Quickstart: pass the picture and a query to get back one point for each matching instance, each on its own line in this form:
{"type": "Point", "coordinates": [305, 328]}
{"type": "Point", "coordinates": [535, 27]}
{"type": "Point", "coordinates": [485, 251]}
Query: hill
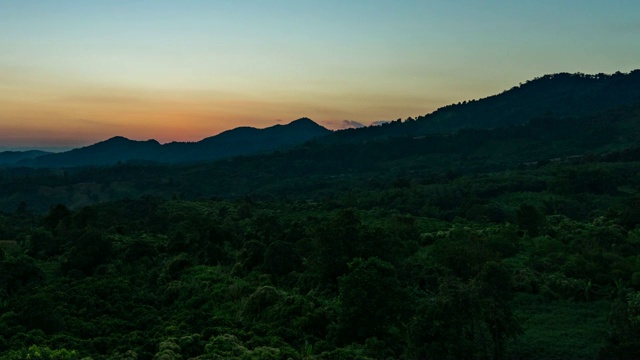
{"type": "Point", "coordinates": [325, 165]}
{"type": "Point", "coordinates": [318, 169]}
{"type": "Point", "coordinates": [108, 152]}
{"type": "Point", "coordinates": [245, 141]}
{"type": "Point", "coordinates": [235, 142]}
{"type": "Point", "coordinates": [8, 158]}
{"type": "Point", "coordinates": [561, 95]}
{"type": "Point", "coordinates": [522, 237]}
{"type": "Point", "coordinates": [557, 95]}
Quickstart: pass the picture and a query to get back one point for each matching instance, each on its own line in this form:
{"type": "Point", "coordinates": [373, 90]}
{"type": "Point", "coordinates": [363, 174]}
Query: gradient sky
{"type": "Point", "coordinates": [76, 72]}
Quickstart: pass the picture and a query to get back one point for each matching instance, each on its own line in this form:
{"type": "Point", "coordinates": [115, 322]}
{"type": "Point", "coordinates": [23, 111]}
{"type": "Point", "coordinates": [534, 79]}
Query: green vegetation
{"type": "Point", "coordinates": [516, 242]}
{"type": "Point", "coordinates": [496, 265]}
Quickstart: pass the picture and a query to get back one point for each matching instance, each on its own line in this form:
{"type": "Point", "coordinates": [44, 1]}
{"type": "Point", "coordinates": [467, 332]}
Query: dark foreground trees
{"type": "Point", "coordinates": [444, 267]}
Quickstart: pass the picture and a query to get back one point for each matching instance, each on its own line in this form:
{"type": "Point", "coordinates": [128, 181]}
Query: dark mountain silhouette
{"type": "Point", "coordinates": [108, 152]}
{"type": "Point", "coordinates": [244, 141]}
{"type": "Point", "coordinates": [327, 164]}
{"type": "Point", "coordinates": [561, 95]}
{"type": "Point", "coordinates": [482, 230]}
{"type": "Point", "coordinates": [558, 95]}
{"type": "Point", "coordinates": [235, 142]}
{"type": "Point", "coordinates": [325, 169]}
{"type": "Point", "coordinates": [13, 157]}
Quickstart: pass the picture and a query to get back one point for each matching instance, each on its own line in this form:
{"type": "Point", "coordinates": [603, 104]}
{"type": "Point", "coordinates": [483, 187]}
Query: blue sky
{"type": "Point", "coordinates": [75, 72]}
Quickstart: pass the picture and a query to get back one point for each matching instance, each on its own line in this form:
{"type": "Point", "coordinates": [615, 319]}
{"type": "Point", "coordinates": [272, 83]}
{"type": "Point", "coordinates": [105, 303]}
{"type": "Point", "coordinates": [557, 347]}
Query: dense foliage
{"type": "Point", "coordinates": [536, 262]}
{"type": "Point", "coordinates": [516, 242]}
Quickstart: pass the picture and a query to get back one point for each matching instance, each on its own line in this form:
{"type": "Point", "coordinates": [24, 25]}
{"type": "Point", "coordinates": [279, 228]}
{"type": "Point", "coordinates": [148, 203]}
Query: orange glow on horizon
{"type": "Point", "coordinates": [76, 72]}
{"type": "Point", "coordinates": [51, 118]}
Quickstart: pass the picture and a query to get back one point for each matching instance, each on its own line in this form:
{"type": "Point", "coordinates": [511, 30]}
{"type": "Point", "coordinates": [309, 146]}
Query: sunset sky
{"type": "Point", "coordinates": [76, 72]}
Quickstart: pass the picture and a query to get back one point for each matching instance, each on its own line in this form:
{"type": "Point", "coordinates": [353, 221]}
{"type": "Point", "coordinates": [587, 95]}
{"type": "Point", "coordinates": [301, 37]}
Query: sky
{"type": "Point", "coordinates": [74, 72]}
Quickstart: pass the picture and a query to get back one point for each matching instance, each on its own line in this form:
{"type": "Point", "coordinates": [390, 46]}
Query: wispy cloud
{"type": "Point", "coordinates": [380, 122]}
{"type": "Point", "coordinates": [346, 124]}
{"type": "Point", "coordinates": [340, 125]}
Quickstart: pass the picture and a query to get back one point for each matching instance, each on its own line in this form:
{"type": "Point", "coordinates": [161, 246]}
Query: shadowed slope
{"type": "Point", "coordinates": [239, 141]}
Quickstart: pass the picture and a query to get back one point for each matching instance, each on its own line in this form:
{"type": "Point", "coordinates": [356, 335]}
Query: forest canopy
{"type": "Point", "coordinates": [515, 241]}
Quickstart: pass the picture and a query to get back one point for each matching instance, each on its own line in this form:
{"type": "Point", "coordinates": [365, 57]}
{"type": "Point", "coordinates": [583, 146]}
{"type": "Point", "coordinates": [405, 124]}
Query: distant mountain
{"type": "Point", "coordinates": [326, 168]}
{"type": "Point", "coordinates": [558, 95]}
{"type": "Point", "coordinates": [235, 142]}
{"type": "Point", "coordinates": [14, 157]}
{"type": "Point", "coordinates": [245, 141]}
{"type": "Point", "coordinates": [108, 152]}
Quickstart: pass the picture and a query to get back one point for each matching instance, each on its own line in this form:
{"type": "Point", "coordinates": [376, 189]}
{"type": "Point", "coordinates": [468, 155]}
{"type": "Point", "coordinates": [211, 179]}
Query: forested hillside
{"type": "Point", "coordinates": [323, 168]}
{"type": "Point", "coordinates": [520, 241]}
{"type": "Point", "coordinates": [118, 149]}
{"type": "Point", "coordinates": [561, 95]}
{"type": "Point", "coordinates": [538, 262]}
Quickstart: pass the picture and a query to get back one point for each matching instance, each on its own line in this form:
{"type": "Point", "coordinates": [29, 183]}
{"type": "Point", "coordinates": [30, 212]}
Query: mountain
{"type": "Point", "coordinates": [326, 165]}
{"type": "Point", "coordinates": [524, 219]}
{"type": "Point", "coordinates": [8, 158]}
{"type": "Point", "coordinates": [558, 95]}
{"type": "Point", "coordinates": [562, 95]}
{"type": "Point", "coordinates": [108, 152]}
{"type": "Point", "coordinates": [245, 141]}
{"type": "Point", "coordinates": [235, 142]}
{"type": "Point", "coordinates": [320, 171]}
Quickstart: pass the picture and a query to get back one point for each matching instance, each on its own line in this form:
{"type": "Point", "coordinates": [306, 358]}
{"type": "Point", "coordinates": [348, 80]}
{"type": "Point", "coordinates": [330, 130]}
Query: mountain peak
{"type": "Point", "coordinates": [306, 122]}
{"type": "Point", "coordinates": [117, 139]}
{"type": "Point", "coordinates": [122, 139]}
{"type": "Point", "coordinates": [303, 120]}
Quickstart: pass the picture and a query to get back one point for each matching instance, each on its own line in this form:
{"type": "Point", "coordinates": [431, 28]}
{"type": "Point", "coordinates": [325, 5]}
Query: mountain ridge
{"type": "Point", "coordinates": [562, 95]}
{"type": "Point", "coordinates": [343, 159]}
{"type": "Point", "coordinates": [13, 157]}
{"type": "Point", "coordinates": [233, 142]}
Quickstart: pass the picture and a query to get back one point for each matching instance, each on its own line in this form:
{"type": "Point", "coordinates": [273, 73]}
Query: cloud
{"type": "Point", "coordinates": [341, 125]}
{"type": "Point", "coordinates": [350, 124]}
{"type": "Point", "coordinates": [381, 122]}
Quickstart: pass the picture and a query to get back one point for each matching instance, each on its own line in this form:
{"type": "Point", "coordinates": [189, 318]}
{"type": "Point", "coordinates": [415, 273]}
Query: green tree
{"type": "Point", "coordinates": [42, 244]}
{"type": "Point", "coordinates": [492, 289]}
{"type": "Point", "coordinates": [18, 272]}
{"type": "Point", "coordinates": [41, 353]}
{"type": "Point", "coordinates": [624, 329]}
{"type": "Point", "coordinates": [530, 219]}
{"type": "Point", "coordinates": [465, 319]}
{"type": "Point", "coordinates": [336, 244]}
{"type": "Point", "coordinates": [58, 215]}
{"type": "Point", "coordinates": [92, 248]}
{"type": "Point", "coordinates": [371, 300]}
{"type": "Point", "coordinates": [281, 258]}
{"type": "Point", "coordinates": [251, 255]}
{"type": "Point", "coordinates": [38, 311]}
